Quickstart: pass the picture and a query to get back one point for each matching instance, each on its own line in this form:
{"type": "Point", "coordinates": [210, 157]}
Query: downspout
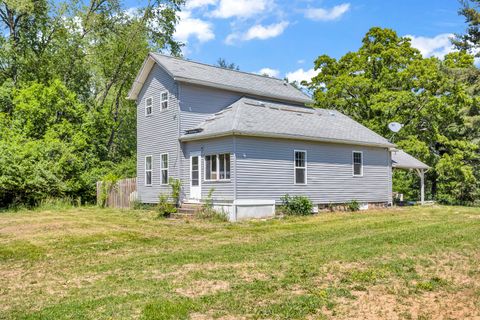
{"type": "Point", "coordinates": [234, 177]}
{"type": "Point", "coordinates": [234, 127]}
{"type": "Point", "coordinates": [179, 144]}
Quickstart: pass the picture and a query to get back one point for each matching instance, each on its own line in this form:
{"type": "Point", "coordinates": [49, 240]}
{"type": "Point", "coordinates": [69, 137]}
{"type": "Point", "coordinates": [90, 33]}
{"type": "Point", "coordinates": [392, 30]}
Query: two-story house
{"type": "Point", "coordinates": [251, 138]}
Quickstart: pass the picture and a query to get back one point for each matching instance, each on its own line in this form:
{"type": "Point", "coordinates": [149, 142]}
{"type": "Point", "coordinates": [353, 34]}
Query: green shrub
{"type": "Point", "coordinates": [353, 205]}
{"type": "Point", "coordinates": [213, 215]}
{"type": "Point", "coordinates": [109, 183]}
{"type": "Point", "coordinates": [165, 207]}
{"type": "Point", "coordinates": [176, 185]}
{"type": "Point", "coordinates": [297, 205]}
{"type": "Point", "coordinates": [208, 204]}
{"type": "Point", "coordinates": [208, 213]}
{"type": "Point", "coordinates": [139, 205]}
{"type": "Point", "coordinates": [58, 203]}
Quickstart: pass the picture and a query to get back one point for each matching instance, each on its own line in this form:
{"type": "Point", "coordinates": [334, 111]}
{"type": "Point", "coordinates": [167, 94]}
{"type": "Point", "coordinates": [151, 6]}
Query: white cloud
{"type": "Point", "coordinates": [192, 27]}
{"type": "Point", "coordinates": [301, 75]}
{"type": "Point", "coordinates": [241, 8]}
{"type": "Point", "coordinates": [321, 14]}
{"type": "Point", "coordinates": [269, 72]}
{"type": "Point", "coordinates": [264, 32]}
{"type": "Point", "coordinates": [258, 31]}
{"type": "Point", "coordinates": [437, 46]}
{"type": "Point", "coordinates": [301, 61]}
{"type": "Point", "coordinates": [193, 4]}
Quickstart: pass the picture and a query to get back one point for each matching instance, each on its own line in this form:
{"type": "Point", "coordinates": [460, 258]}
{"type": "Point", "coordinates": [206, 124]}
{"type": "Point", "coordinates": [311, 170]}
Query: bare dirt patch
{"type": "Point", "coordinates": [203, 288]}
{"type": "Point", "coordinates": [397, 298]}
{"type": "Point", "coordinates": [209, 316]}
{"type": "Point", "coordinates": [377, 303]}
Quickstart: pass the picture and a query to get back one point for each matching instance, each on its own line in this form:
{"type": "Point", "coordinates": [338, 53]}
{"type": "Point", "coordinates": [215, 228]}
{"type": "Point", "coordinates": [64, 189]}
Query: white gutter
{"type": "Point", "coordinates": [283, 136]}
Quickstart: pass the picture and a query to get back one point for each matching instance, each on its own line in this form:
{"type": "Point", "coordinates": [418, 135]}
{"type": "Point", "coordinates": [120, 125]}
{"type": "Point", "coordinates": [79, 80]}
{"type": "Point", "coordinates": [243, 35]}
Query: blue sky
{"type": "Point", "coordinates": [284, 37]}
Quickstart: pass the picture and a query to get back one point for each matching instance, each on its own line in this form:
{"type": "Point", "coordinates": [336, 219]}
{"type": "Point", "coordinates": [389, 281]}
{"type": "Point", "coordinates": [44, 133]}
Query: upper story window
{"type": "Point", "coordinates": [148, 106]}
{"type": "Point", "coordinates": [217, 167]}
{"type": "Point", "coordinates": [164, 168]}
{"type": "Point", "coordinates": [357, 163]}
{"type": "Point", "coordinates": [148, 170]}
{"type": "Point", "coordinates": [164, 100]}
{"type": "Point", "coordinates": [300, 164]}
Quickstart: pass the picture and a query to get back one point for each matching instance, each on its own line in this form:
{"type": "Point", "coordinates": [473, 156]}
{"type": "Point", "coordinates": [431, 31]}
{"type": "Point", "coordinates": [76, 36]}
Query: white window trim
{"type": "Point", "coordinates": [162, 101]}
{"type": "Point", "coordinates": [163, 169]}
{"type": "Point", "coordinates": [218, 168]}
{"type": "Point", "coordinates": [295, 167]}
{"type": "Point", "coordinates": [353, 164]}
{"type": "Point", "coordinates": [151, 171]}
{"type": "Point", "coordinates": [146, 107]}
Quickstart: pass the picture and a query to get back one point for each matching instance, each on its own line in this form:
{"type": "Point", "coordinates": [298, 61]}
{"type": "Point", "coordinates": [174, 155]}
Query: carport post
{"type": "Point", "coordinates": [421, 174]}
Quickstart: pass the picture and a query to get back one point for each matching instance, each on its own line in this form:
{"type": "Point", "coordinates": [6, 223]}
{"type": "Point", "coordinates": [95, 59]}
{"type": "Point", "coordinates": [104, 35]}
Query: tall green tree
{"type": "Point", "coordinates": [388, 80]}
{"type": "Point", "coordinates": [469, 73]}
{"type": "Point", "coordinates": [65, 70]}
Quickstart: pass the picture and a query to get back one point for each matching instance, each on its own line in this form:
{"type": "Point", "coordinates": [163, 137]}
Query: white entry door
{"type": "Point", "coordinates": [195, 177]}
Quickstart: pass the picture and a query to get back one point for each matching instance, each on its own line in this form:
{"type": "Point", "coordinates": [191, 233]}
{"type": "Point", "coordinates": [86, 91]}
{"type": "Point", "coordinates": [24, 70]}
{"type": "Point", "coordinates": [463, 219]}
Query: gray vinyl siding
{"type": "Point", "coordinates": [224, 190]}
{"type": "Point", "coordinates": [200, 103]}
{"type": "Point", "coordinates": [265, 170]}
{"type": "Point", "coordinates": [157, 133]}
{"type": "Point", "coordinates": [261, 168]}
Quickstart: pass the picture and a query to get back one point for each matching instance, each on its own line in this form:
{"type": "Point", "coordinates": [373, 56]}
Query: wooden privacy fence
{"type": "Point", "coordinates": [120, 194]}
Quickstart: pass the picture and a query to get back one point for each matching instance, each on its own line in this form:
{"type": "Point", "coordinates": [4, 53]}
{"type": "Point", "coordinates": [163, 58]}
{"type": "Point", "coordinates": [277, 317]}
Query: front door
{"type": "Point", "coordinates": [195, 177]}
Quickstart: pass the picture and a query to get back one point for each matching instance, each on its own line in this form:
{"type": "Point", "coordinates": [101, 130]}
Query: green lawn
{"type": "Point", "coordinates": [89, 263]}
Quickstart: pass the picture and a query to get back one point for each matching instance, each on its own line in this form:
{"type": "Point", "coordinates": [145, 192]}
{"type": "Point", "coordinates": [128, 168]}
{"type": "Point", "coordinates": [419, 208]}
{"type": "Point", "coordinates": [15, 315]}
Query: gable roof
{"type": "Point", "coordinates": [206, 75]}
{"type": "Point", "coordinates": [266, 119]}
{"type": "Point", "coordinates": [402, 160]}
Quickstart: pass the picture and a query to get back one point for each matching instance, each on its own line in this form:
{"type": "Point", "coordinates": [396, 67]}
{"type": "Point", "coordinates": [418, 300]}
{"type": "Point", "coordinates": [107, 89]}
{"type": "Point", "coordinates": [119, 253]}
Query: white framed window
{"type": "Point", "coordinates": [357, 163]}
{"type": "Point", "coordinates": [148, 170]}
{"type": "Point", "coordinates": [164, 100]}
{"type": "Point", "coordinates": [164, 168]}
{"type": "Point", "coordinates": [300, 166]}
{"type": "Point", "coordinates": [148, 106]}
{"type": "Point", "coordinates": [217, 167]}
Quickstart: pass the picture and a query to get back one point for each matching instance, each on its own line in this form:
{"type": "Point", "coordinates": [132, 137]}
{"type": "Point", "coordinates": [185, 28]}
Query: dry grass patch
{"type": "Point", "coordinates": [378, 303]}
{"type": "Point", "coordinates": [445, 288]}
{"type": "Point", "coordinates": [203, 287]}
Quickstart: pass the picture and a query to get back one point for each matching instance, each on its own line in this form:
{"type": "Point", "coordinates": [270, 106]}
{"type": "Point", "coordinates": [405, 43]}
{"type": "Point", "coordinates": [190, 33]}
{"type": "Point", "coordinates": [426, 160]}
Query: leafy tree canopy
{"type": "Point", "coordinates": [65, 70]}
{"type": "Point", "coordinates": [388, 80]}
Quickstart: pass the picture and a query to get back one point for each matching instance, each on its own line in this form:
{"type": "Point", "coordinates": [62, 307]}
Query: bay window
{"type": "Point", "coordinates": [217, 167]}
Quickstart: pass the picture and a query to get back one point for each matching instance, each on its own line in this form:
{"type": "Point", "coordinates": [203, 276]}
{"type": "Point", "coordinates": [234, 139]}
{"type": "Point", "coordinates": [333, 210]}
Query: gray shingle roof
{"type": "Point", "coordinates": [401, 159]}
{"type": "Point", "coordinates": [199, 73]}
{"type": "Point", "coordinates": [251, 117]}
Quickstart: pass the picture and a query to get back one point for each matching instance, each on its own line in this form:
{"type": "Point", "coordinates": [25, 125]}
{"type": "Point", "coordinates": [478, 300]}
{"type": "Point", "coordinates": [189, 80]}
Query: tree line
{"type": "Point", "coordinates": [65, 70]}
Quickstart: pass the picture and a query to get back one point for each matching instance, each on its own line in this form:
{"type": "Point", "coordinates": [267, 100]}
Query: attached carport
{"type": "Point", "coordinates": [402, 160]}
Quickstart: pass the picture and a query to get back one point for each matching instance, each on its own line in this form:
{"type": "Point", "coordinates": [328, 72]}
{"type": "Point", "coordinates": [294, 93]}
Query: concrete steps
{"type": "Point", "coordinates": [188, 210]}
